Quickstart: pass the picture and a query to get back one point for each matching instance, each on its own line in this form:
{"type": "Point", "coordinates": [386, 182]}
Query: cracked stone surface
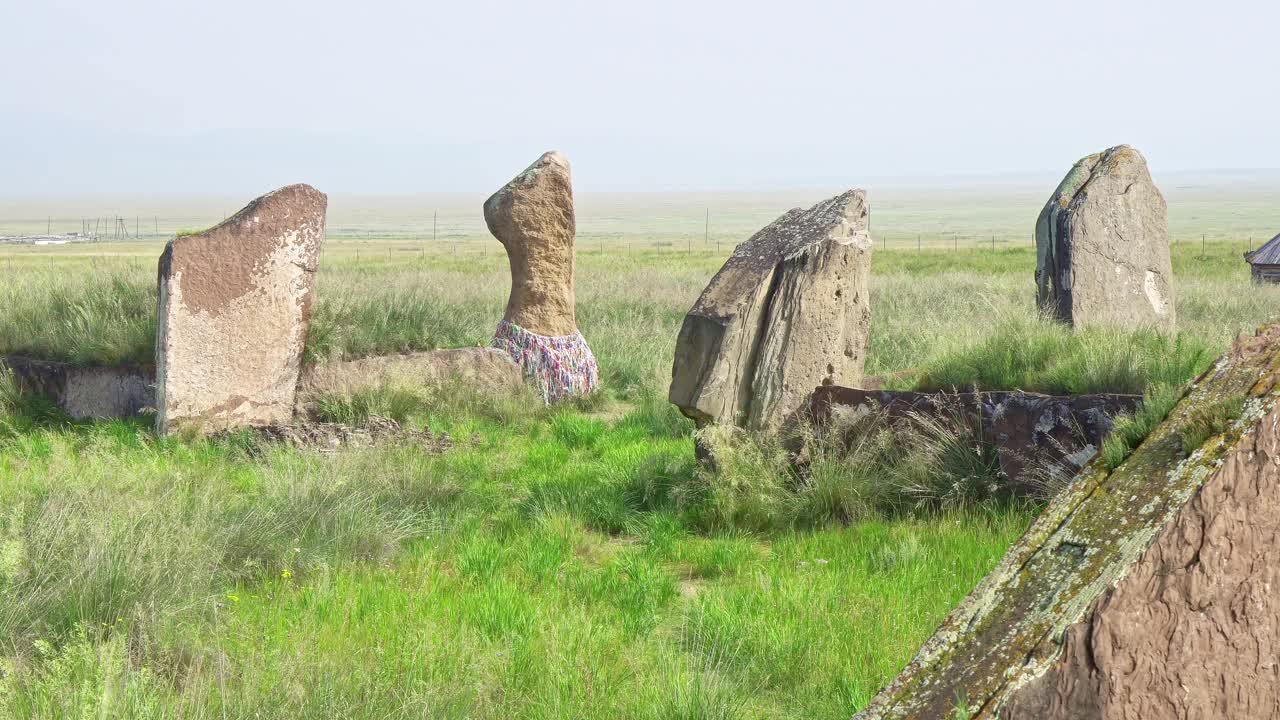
{"type": "Point", "coordinates": [1144, 592]}
{"type": "Point", "coordinates": [234, 309]}
{"type": "Point", "coordinates": [789, 311]}
{"type": "Point", "coordinates": [1102, 246]}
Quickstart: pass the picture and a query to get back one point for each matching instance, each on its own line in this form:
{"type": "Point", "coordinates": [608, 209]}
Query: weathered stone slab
{"type": "Point", "coordinates": [84, 393]}
{"type": "Point", "coordinates": [1147, 591]}
{"type": "Point", "coordinates": [235, 306]}
{"type": "Point", "coordinates": [532, 216]}
{"type": "Point", "coordinates": [789, 311]}
{"type": "Point", "coordinates": [1102, 246]}
{"type": "Point", "coordinates": [1040, 440]}
{"type": "Point", "coordinates": [487, 368]}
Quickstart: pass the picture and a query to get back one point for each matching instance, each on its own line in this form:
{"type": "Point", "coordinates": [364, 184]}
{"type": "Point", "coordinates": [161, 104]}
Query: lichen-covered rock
{"type": "Point", "coordinates": [234, 309]}
{"type": "Point", "coordinates": [1102, 246]}
{"type": "Point", "coordinates": [789, 311]}
{"type": "Point", "coordinates": [1147, 591]}
{"type": "Point", "coordinates": [532, 216]}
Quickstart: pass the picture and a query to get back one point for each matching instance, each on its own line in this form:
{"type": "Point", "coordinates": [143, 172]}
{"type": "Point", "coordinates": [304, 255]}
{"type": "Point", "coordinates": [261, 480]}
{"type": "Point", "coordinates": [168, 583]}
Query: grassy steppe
{"type": "Point", "coordinates": [555, 563]}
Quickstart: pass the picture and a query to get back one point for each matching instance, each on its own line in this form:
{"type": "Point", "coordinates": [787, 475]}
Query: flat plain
{"type": "Point", "coordinates": [553, 563]}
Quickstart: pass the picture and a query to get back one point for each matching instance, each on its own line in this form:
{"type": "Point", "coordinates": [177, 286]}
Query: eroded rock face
{"type": "Point", "coordinates": [1102, 246]}
{"type": "Point", "coordinates": [789, 311]}
{"type": "Point", "coordinates": [1147, 591]}
{"type": "Point", "coordinates": [532, 216]}
{"type": "Point", "coordinates": [235, 306]}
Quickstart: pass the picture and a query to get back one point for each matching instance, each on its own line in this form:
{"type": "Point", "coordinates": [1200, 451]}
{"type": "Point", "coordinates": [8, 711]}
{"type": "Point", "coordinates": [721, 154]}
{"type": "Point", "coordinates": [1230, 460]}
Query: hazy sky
{"type": "Point", "coordinates": [378, 96]}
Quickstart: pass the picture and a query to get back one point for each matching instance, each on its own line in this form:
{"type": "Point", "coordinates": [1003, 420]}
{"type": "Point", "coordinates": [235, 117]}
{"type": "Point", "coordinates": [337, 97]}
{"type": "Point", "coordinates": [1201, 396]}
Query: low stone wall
{"type": "Point", "coordinates": [486, 368]}
{"type": "Point", "coordinates": [116, 391]}
{"type": "Point", "coordinates": [121, 391]}
{"type": "Point", "coordinates": [1032, 434]}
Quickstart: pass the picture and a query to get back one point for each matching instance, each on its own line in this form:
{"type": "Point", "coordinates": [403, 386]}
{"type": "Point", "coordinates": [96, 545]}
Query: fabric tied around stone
{"type": "Point", "coordinates": [560, 367]}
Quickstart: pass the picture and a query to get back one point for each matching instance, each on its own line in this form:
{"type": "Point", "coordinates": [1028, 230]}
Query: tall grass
{"type": "Point", "coordinates": [870, 468]}
{"type": "Point", "coordinates": [550, 564]}
{"type": "Point", "coordinates": [564, 562]}
{"type": "Point", "coordinates": [961, 318]}
{"type": "Point", "coordinates": [1037, 355]}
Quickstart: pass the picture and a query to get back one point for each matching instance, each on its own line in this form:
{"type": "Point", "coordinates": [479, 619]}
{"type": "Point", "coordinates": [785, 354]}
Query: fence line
{"type": "Point", "coordinates": [453, 235]}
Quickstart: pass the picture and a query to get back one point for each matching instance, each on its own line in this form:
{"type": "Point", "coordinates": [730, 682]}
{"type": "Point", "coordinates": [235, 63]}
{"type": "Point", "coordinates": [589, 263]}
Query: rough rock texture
{"type": "Point", "coordinates": [1102, 246]}
{"type": "Point", "coordinates": [482, 367]}
{"type": "Point", "coordinates": [235, 306]}
{"type": "Point", "coordinates": [87, 392]}
{"type": "Point", "coordinates": [1040, 440]}
{"type": "Point", "coordinates": [1145, 592]}
{"type": "Point", "coordinates": [789, 311]}
{"type": "Point", "coordinates": [532, 216]}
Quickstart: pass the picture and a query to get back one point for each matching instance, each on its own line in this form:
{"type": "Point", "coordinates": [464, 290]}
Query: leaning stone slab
{"type": "Point", "coordinates": [235, 306]}
{"type": "Point", "coordinates": [1102, 246]}
{"type": "Point", "coordinates": [789, 311]}
{"type": "Point", "coordinates": [1147, 591]}
{"type": "Point", "coordinates": [85, 393]}
{"type": "Point", "coordinates": [533, 217]}
{"type": "Point", "coordinates": [1041, 441]}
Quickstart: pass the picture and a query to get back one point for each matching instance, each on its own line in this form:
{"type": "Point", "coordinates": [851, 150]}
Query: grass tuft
{"type": "Point", "coordinates": [1128, 431]}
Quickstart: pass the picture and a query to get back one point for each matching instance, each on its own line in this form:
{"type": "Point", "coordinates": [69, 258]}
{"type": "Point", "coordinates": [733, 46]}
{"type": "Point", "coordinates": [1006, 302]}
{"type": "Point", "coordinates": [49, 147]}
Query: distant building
{"type": "Point", "coordinates": [1265, 261]}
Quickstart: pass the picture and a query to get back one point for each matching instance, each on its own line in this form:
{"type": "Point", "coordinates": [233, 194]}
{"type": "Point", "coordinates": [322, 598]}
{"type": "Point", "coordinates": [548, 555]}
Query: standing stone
{"type": "Point", "coordinates": [532, 216]}
{"type": "Point", "coordinates": [1102, 246]}
{"type": "Point", "coordinates": [235, 305]}
{"type": "Point", "coordinates": [789, 311]}
{"type": "Point", "coordinates": [1144, 591]}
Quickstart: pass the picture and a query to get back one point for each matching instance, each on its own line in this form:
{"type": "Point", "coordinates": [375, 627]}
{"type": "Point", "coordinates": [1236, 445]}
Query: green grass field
{"type": "Point", "coordinates": [562, 563]}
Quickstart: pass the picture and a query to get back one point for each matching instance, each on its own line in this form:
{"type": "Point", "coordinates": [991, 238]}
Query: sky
{"type": "Point", "coordinates": [376, 96]}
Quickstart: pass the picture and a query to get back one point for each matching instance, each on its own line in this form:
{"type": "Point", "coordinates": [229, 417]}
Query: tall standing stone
{"type": "Point", "coordinates": [532, 216]}
{"type": "Point", "coordinates": [1102, 246]}
{"type": "Point", "coordinates": [1144, 590]}
{"type": "Point", "coordinates": [235, 306]}
{"type": "Point", "coordinates": [789, 311]}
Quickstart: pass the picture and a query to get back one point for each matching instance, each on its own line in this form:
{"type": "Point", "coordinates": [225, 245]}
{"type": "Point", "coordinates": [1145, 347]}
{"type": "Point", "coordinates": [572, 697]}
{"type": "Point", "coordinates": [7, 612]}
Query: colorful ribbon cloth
{"type": "Point", "coordinates": [559, 367]}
